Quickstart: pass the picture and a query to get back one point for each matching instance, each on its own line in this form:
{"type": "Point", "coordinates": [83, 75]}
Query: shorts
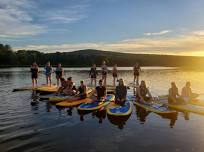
{"type": "Point", "coordinates": [58, 76]}
{"type": "Point", "coordinates": [93, 76]}
{"type": "Point", "coordinates": [47, 74]}
{"type": "Point", "coordinates": [120, 102]}
{"type": "Point", "coordinates": [34, 76]}
{"type": "Point", "coordinates": [115, 75]}
{"type": "Point", "coordinates": [83, 96]}
{"type": "Point", "coordinates": [104, 73]}
{"type": "Point", "coordinates": [136, 73]}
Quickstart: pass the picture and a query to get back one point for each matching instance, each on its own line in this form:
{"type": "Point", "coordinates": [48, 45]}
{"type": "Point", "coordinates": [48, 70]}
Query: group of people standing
{"type": "Point", "coordinates": [48, 73]}
{"type": "Point", "coordinates": [93, 73]}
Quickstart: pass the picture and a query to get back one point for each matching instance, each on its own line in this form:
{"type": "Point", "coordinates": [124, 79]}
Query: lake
{"type": "Point", "coordinates": [43, 127]}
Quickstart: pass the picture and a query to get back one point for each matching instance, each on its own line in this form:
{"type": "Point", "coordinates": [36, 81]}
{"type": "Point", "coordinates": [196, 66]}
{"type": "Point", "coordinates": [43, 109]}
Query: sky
{"type": "Point", "coordinates": [129, 26]}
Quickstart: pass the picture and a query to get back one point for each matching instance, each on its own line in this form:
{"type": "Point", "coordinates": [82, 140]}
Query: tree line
{"type": "Point", "coordinates": [84, 58]}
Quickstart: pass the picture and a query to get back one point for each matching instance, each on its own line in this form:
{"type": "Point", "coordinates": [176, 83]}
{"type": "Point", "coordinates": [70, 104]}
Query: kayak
{"type": "Point", "coordinates": [58, 98]}
{"type": "Point", "coordinates": [155, 107]}
{"type": "Point", "coordinates": [193, 101]}
{"type": "Point", "coordinates": [97, 105]}
{"type": "Point", "coordinates": [117, 110]}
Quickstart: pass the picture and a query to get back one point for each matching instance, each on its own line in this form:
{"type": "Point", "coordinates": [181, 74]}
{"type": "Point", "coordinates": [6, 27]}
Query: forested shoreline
{"type": "Point", "coordinates": [84, 58]}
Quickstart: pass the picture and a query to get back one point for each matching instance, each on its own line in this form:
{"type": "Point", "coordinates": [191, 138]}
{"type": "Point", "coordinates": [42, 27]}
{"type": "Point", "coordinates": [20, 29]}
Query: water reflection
{"type": "Point", "coordinates": [172, 117]}
{"type": "Point", "coordinates": [97, 114]}
{"type": "Point", "coordinates": [141, 114]}
{"type": "Point", "coordinates": [120, 122]}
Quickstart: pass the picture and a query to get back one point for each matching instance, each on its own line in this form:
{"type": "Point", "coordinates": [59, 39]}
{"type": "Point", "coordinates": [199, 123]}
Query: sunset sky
{"type": "Point", "coordinates": [132, 26]}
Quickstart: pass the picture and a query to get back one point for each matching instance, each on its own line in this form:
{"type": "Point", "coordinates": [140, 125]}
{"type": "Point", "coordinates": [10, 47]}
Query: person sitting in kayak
{"type": "Point", "coordinates": [186, 92]}
{"type": "Point", "coordinates": [101, 91]}
{"type": "Point", "coordinates": [174, 96]}
{"type": "Point", "coordinates": [63, 85]}
{"type": "Point", "coordinates": [82, 90]}
{"type": "Point", "coordinates": [143, 93]}
{"type": "Point", "coordinates": [70, 89]}
{"type": "Point", "coordinates": [120, 93]}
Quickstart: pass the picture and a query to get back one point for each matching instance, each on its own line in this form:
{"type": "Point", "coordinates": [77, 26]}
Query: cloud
{"type": "Point", "coordinates": [65, 15]}
{"type": "Point", "coordinates": [22, 18]}
{"type": "Point", "coordinates": [188, 44]}
{"type": "Point", "coordinates": [158, 33]}
{"type": "Point", "coordinates": [15, 21]}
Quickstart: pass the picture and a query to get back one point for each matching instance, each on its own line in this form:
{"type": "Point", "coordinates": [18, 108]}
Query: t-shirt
{"type": "Point", "coordinates": [121, 92]}
{"type": "Point", "coordinates": [101, 91]}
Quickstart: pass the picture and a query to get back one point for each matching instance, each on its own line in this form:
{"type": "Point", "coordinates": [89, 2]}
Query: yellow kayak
{"type": "Point", "coordinates": [55, 99]}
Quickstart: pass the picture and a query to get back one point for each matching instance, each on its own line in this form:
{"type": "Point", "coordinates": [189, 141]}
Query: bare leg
{"type": "Point", "coordinates": [47, 80]}
{"type": "Point", "coordinates": [58, 82]}
{"type": "Point", "coordinates": [33, 82]}
{"type": "Point", "coordinates": [36, 82]}
{"type": "Point", "coordinates": [95, 82]}
{"type": "Point", "coordinates": [50, 81]}
{"type": "Point", "coordinates": [134, 78]}
{"type": "Point", "coordinates": [105, 80]}
{"type": "Point", "coordinates": [91, 81]}
{"type": "Point", "coordinates": [113, 81]}
{"type": "Point", "coordinates": [137, 78]}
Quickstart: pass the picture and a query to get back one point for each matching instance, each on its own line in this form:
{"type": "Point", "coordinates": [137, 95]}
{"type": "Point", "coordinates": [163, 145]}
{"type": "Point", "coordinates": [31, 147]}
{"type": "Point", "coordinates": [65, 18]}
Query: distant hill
{"type": "Point", "coordinates": [87, 57]}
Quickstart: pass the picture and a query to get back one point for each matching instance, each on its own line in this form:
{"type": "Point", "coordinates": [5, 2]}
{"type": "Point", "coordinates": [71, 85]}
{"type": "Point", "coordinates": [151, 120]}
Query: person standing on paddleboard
{"type": "Point", "coordinates": [93, 74]}
{"type": "Point", "coordinates": [59, 73]}
{"type": "Point", "coordinates": [101, 91]}
{"type": "Point", "coordinates": [120, 93]}
{"type": "Point", "coordinates": [136, 73]}
{"type": "Point", "coordinates": [104, 71]}
{"type": "Point", "coordinates": [115, 74]}
{"type": "Point", "coordinates": [34, 74]}
{"type": "Point", "coordinates": [48, 73]}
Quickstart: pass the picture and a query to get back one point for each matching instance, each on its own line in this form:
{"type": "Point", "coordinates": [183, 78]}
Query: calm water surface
{"type": "Point", "coordinates": [43, 127]}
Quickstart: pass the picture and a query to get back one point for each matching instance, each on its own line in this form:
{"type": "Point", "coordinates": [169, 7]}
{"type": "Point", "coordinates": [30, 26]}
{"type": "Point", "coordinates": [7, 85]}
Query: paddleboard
{"type": "Point", "coordinates": [68, 103]}
{"type": "Point", "coordinates": [97, 105]}
{"type": "Point", "coordinates": [192, 106]}
{"type": "Point", "coordinates": [117, 110]}
{"type": "Point", "coordinates": [155, 107]}
{"type": "Point", "coordinates": [58, 98]}
{"type": "Point", "coordinates": [193, 101]}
